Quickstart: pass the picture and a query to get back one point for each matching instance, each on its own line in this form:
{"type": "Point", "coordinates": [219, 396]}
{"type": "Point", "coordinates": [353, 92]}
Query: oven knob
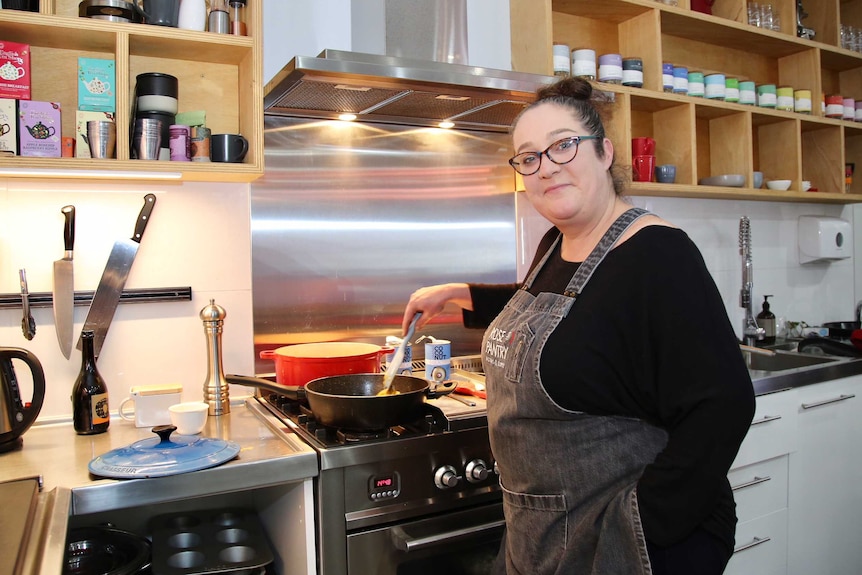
{"type": "Point", "coordinates": [446, 477]}
{"type": "Point", "coordinates": [476, 471]}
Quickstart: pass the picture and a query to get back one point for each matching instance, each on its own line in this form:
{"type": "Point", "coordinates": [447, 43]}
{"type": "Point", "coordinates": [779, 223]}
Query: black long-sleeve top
{"type": "Point", "coordinates": [649, 338]}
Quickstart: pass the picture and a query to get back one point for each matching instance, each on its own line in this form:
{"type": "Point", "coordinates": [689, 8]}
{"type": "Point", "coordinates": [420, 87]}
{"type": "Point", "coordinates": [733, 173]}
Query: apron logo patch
{"type": "Point", "coordinates": [497, 344]}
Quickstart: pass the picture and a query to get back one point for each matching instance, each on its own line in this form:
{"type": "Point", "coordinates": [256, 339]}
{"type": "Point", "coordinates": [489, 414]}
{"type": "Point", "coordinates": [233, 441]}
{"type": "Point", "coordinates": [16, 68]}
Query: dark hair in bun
{"type": "Point", "coordinates": [587, 108]}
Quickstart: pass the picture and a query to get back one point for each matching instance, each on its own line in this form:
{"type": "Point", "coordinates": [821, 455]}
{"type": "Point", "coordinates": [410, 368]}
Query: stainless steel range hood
{"type": "Point", "coordinates": [400, 90]}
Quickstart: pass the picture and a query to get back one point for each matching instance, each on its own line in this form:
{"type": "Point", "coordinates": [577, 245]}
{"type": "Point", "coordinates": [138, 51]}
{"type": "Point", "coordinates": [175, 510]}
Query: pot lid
{"type": "Point", "coordinates": [163, 455]}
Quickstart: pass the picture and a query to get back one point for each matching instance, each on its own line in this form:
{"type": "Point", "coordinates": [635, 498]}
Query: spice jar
{"type": "Point", "coordinates": [849, 109]}
{"type": "Point", "coordinates": [747, 94]}
{"type": "Point", "coordinates": [695, 84]}
{"type": "Point", "coordinates": [731, 90]}
{"type": "Point", "coordinates": [680, 80]}
{"type": "Point", "coordinates": [766, 96]}
{"type": "Point", "coordinates": [715, 88]}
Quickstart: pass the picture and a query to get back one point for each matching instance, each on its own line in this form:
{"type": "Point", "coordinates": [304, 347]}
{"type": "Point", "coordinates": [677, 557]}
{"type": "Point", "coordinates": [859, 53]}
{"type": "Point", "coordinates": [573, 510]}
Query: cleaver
{"type": "Point", "coordinates": [64, 285]}
{"type": "Point", "coordinates": [114, 277]}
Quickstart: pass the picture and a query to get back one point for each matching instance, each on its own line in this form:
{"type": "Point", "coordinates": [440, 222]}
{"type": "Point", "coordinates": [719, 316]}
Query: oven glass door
{"type": "Point", "coordinates": [464, 542]}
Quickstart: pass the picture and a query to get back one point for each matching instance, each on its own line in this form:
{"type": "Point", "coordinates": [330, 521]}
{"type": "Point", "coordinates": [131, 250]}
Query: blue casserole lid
{"type": "Point", "coordinates": [163, 455]}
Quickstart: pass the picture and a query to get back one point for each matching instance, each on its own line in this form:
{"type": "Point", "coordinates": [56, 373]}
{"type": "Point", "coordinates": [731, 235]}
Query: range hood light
{"type": "Point", "coordinates": [347, 117]}
{"type": "Point", "coordinates": [452, 98]}
{"type": "Point", "coordinates": [352, 88]}
{"type": "Point", "coordinates": [446, 124]}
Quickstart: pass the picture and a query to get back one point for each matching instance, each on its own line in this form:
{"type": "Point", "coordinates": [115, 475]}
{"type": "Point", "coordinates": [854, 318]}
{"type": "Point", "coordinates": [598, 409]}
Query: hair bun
{"type": "Point", "coordinates": [568, 87]}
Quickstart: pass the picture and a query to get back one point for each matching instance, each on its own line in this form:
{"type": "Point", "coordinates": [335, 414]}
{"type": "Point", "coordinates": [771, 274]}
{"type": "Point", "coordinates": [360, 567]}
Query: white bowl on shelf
{"type": "Point", "coordinates": [781, 185]}
{"type": "Point", "coordinates": [806, 185]}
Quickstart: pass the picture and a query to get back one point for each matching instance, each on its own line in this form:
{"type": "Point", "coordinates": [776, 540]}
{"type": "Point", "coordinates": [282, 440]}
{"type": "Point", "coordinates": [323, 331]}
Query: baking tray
{"type": "Point", "coordinates": [207, 542]}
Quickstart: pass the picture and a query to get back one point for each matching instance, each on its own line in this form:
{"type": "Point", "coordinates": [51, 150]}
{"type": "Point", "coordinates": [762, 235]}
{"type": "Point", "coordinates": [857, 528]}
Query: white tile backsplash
{"type": "Point", "coordinates": [814, 293]}
{"type": "Point", "coordinates": [198, 236]}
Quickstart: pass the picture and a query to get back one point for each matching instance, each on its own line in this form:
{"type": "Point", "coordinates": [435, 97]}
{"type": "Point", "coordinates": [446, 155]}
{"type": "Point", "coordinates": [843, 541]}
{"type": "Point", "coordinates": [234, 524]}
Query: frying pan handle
{"type": "Point", "coordinates": [298, 394]}
{"type": "Point", "coordinates": [441, 389]}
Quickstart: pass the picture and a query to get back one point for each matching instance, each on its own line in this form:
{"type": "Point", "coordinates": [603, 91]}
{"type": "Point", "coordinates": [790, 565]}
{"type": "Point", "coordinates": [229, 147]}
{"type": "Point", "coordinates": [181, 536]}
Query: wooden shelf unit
{"type": "Point", "coordinates": [218, 73]}
{"type": "Point", "coordinates": [705, 137]}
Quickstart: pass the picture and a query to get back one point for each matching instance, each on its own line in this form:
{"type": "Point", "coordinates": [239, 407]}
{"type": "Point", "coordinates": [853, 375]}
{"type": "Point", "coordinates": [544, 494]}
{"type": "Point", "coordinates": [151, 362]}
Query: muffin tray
{"type": "Point", "coordinates": [207, 542]}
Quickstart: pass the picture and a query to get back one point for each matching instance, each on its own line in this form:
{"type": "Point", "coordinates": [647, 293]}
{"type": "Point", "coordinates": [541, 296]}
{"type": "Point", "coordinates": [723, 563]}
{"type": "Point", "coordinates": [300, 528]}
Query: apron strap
{"type": "Point", "coordinates": [608, 241]}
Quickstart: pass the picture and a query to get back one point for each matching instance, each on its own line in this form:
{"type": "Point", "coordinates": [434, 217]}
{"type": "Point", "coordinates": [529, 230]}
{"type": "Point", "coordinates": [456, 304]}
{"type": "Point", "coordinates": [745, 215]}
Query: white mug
{"type": "Point", "coordinates": [189, 418]}
{"type": "Point", "coordinates": [151, 404]}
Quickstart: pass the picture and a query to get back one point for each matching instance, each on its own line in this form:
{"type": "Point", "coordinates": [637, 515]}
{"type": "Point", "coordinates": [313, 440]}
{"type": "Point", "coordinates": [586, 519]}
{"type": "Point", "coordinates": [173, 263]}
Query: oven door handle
{"type": "Point", "coordinates": [406, 542]}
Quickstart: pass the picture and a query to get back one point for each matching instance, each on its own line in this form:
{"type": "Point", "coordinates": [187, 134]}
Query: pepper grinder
{"type": "Point", "coordinates": [216, 391]}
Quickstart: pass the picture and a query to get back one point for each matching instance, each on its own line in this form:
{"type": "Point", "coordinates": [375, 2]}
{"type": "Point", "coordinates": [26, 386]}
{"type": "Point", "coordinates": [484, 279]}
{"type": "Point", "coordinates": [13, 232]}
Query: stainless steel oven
{"type": "Point", "coordinates": [413, 498]}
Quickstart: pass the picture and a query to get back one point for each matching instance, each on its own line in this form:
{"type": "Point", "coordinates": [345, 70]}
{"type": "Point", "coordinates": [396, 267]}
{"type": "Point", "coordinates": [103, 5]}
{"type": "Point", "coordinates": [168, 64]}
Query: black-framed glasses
{"type": "Point", "coordinates": [560, 152]}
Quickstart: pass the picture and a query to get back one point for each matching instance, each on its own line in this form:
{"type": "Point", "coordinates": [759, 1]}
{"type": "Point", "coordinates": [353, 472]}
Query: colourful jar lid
{"type": "Point", "coordinates": [610, 60]}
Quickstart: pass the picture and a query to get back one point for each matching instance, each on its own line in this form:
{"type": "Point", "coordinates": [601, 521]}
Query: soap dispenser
{"type": "Point", "coordinates": [766, 320]}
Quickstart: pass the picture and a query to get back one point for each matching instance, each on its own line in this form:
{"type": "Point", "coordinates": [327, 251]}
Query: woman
{"type": "Point", "coordinates": [617, 393]}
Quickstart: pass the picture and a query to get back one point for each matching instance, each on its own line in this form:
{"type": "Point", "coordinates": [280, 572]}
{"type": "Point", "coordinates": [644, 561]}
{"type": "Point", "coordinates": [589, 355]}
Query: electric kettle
{"type": "Point", "coordinates": [15, 417]}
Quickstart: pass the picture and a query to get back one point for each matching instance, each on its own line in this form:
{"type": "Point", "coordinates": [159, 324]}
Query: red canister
{"type": "Point", "coordinates": [834, 106]}
{"type": "Point", "coordinates": [296, 365]}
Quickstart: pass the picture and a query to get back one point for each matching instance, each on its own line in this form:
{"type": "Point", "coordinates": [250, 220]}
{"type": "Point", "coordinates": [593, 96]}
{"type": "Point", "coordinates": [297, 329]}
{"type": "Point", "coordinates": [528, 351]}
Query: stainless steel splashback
{"type": "Point", "coordinates": [350, 218]}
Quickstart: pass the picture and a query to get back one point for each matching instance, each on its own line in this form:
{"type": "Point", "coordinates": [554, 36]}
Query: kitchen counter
{"type": "Point", "coordinates": [56, 453]}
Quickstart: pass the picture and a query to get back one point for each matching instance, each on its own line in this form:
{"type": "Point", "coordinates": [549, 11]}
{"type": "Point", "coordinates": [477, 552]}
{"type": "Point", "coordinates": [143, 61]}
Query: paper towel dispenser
{"type": "Point", "coordinates": [824, 238]}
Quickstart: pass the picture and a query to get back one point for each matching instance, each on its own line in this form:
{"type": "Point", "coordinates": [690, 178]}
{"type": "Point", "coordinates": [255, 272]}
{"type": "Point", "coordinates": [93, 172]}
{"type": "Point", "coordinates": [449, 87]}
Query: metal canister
{"type": "Point", "coordinates": [199, 148]}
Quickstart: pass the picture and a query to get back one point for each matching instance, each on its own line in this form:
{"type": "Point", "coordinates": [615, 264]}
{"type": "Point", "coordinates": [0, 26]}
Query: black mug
{"type": "Point", "coordinates": [230, 148]}
{"type": "Point", "coordinates": [27, 5]}
{"type": "Point", "coordinates": [162, 12]}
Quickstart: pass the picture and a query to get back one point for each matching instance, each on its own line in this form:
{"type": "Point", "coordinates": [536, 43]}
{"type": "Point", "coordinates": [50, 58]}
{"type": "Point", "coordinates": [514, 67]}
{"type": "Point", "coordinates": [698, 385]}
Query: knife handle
{"type": "Point", "coordinates": [144, 217]}
{"type": "Point", "coordinates": [69, 228]}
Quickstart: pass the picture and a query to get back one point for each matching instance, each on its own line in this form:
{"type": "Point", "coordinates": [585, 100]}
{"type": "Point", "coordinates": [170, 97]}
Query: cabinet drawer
{"type": "Point", "coordinates": [760, 488]}
{"type": "Point", "coordinates": [773, 429]}
{"type": "Point", "coordinates": [761, 546]}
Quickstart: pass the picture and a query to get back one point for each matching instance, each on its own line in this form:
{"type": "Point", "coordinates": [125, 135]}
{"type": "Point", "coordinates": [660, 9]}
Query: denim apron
{"type": "Point", "coordinates": [568, 477]}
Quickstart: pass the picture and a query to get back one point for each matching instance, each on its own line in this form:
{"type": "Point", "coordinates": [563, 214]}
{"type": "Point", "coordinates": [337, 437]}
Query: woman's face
{"type": "Point", "coordinates": [572, 193]}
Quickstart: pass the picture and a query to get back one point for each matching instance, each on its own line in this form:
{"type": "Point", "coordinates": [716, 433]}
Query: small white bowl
{"type": "Point", "coordinates": [778, 185]}
{"type": "Point", "coordinates": [806, 185]}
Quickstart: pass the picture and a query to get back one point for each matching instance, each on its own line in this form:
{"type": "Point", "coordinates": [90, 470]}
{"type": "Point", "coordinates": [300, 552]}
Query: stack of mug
{"type": "Point", "coordinates": [156, 107]}
{"type": "Point", "coordinates": [644, 168]}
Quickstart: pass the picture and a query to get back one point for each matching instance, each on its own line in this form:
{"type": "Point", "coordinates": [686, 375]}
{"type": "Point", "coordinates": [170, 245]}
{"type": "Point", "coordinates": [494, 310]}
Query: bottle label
{"type": "Point", "coordinates": [99, 405]}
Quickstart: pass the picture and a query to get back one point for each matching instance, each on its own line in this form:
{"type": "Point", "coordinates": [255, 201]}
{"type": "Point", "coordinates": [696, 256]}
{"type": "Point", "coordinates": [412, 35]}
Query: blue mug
{"type": "Point", "coordinates": [665, 173]}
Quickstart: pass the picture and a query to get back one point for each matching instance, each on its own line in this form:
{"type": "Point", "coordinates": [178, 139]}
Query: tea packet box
{"type": "Point", "coordinates": [39, 129]}
{"type": "Point", "coordinates": [96, 78]}
{"type": "Point", "coordinates": [82, 148]}
{"type": "Point", "coordinates": [8, 127]}
{"type": "Point", "coordinates": [14, 70]}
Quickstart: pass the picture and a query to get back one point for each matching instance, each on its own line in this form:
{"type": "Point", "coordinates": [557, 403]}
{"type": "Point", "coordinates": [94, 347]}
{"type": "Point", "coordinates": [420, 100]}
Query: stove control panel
{"type": "Point", "coordinates": [446, 477]}
{"type": "Point", "coordinates": [382, 487]}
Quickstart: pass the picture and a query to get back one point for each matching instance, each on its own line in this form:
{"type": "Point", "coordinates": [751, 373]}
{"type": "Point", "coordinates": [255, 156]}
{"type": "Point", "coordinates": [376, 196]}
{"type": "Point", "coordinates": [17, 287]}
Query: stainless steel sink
{"type": "Point", "coordinates": [783, 361]}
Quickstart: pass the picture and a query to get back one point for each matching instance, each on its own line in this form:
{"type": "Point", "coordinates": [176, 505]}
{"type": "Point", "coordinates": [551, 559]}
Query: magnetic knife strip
{"type": "Point", "coordinates": [144, 295]}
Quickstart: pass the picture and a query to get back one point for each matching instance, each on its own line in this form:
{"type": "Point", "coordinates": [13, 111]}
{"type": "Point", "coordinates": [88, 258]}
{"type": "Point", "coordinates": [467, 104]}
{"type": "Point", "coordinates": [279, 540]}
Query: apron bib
{"type": "Point", "coordinates": [568, 477]}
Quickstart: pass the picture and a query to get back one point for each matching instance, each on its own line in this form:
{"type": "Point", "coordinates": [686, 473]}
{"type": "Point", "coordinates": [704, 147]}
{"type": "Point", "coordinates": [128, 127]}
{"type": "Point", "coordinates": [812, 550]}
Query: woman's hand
{"type": "Point", "coordinates": [431, 300]}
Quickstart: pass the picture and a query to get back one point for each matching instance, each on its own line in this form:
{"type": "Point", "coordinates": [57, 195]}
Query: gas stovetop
{"type": "Point", "coordinates": [442, 419]}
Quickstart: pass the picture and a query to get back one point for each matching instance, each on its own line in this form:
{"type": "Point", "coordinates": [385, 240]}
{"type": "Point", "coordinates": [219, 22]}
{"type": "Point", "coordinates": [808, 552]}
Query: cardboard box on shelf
{"type": "Point", "coordinates": [14, 70]}
{"type": "Point", "coordinates": [39, 128]}
{"type": "Point", "coordinates": [8, 127]}
{"type": "Point", "coordinates": [82, 148]}
{"type": "Point", "coordinates": [96, 77]}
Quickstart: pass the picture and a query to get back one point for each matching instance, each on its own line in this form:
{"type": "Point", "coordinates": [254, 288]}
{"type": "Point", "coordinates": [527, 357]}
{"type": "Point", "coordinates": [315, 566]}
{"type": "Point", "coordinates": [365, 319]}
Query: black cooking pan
{"type": "Point", "coordinates": [351, 401]}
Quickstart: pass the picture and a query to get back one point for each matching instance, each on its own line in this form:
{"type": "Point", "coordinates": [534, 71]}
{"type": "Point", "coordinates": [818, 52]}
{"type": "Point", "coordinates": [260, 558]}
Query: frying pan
{"type": "Point", "coordinates": [351, 401]}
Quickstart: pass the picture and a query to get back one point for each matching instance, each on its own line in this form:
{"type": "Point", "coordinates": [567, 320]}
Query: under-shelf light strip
{"type": "Point", "coordinates": [102, 174]}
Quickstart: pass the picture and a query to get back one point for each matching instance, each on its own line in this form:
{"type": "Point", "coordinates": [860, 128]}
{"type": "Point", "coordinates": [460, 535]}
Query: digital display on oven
{"type": "Point", "coordinates": [384, 486]}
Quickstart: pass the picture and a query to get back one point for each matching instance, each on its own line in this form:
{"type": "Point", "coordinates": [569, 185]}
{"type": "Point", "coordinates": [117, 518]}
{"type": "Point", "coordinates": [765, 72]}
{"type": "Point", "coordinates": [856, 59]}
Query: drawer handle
{"type": "Point", "coordinates": [754, 481]}
{"type": "Point", "coordinates": [765, 419]}
{"type": "Point", "coordinates": [753, 543]}
{"type": "Point", "coordinates": [841, 397]}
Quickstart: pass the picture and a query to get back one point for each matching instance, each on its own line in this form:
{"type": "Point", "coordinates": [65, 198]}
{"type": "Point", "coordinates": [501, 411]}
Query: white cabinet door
{"type": "Point", "coordinates": [826, 480]}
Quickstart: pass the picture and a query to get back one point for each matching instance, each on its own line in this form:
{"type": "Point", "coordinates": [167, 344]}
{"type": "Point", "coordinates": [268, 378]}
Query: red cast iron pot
{"type": "Point", "coordinates": [296, 365]}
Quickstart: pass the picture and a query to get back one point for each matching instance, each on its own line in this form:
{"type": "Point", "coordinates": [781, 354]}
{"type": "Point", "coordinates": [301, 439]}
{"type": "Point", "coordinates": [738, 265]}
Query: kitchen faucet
{"type": "Point", "coordinates": [751, 332]}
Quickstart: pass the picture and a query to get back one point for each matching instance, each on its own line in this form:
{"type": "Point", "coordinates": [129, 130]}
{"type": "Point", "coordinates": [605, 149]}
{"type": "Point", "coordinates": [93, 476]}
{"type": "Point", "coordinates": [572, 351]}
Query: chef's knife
{"type": "Point", "coordinates": [64, 285]}
{"type": "Point", "coordinates": [114, 278]}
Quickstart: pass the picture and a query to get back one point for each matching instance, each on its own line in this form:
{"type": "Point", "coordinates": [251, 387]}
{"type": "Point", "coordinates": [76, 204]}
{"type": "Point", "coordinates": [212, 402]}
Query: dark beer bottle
{"type": "Point", "coordinates": [90, 394]}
